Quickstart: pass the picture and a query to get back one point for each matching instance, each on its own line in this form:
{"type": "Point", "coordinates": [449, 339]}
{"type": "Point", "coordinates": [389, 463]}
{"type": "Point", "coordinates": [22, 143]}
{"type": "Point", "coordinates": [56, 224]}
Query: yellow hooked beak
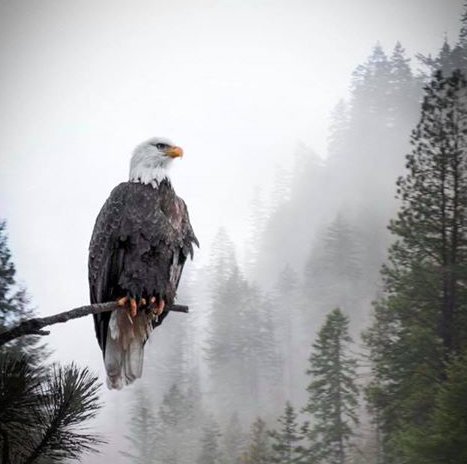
{"type": "Point", "coordinates": [174, 152]}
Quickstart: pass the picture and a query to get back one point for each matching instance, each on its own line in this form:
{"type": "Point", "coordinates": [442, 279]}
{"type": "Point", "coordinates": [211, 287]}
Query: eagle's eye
{"type": "Point", "coordinates": [161, 146]}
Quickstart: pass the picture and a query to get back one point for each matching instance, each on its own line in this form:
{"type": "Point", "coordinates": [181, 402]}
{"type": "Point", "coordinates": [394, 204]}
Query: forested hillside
{"type": "Point", "coordinates": [255, 371]}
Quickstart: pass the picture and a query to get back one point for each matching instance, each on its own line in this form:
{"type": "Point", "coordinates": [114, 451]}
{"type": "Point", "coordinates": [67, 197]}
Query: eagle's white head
{"type": "Point", "coordinates": [151, 160]}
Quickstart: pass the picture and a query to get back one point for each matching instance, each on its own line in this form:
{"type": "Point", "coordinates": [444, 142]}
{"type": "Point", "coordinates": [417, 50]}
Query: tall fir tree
{"type": "Point", "coordinates": [405, 93]}
{"type": "Point", "coordinates": [421, 322]}
{"type": "Point", "coordinates": [256, 223]}
{"type": "Point", "coordinates": [449, 59]}
{"type": "Point", "coordinates": [14, 306]}
{"type": "Point", "coordinates": [177, 433]}
{"type": "Point", "coordinates": [259, 449]}
{"type": "Point", "coordinates": [334, 267]}
{"type": "Point", "coordinates": [233, 443]}
{"type": "Point", "coordinates": [333, 393]}
{"type": "Point", "coordinates": [141, 443]}
{"type": "Point", "coordinates": [286, 440]}
{"type": "Point", "coordinates": [240, 348]}
{"type": "Point", "coordinates": [210, 449]}
{"type": "Point", "coordinates": [445, 441]}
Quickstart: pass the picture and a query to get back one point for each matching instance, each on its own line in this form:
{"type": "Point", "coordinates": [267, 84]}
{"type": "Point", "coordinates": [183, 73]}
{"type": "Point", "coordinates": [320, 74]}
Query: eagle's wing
{"type": "Point", "coordinates": [141, 240]}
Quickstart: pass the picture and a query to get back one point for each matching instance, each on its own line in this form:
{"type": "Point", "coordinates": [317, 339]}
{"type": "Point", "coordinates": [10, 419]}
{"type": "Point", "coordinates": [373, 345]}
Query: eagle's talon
{"type": "Point", "coordinates": [122, 301]}
{"type": "Point", "coordinates": [155, 306]}
{"type": "Point", "coordinates": [159, 308]}
{"type": "Point", "coordinates": [133, 307]}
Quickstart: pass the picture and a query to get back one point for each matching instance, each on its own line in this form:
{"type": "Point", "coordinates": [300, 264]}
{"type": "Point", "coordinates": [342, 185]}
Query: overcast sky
{"type": "Point", "coordinates": [237, 84]}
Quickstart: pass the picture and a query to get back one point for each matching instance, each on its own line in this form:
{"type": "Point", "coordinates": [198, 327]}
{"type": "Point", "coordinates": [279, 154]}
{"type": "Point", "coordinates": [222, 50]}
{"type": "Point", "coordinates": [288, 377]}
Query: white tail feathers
{"type": "Point", "coordinates": [124, 349]}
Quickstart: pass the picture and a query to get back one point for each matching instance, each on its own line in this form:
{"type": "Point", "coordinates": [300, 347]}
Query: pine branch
{"type": "Point", "coordinates": [34, 326]}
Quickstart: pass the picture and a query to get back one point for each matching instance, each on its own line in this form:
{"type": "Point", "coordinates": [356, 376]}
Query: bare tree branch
{"type": "Point", "coordinates": [34, 326]}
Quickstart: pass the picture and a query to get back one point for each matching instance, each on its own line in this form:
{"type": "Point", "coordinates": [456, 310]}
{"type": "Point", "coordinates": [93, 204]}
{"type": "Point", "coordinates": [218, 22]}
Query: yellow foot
{"type": "Point", "coordinates": [122, 301]}
{"type": "Point", "coordinates": [159, 308]}
{"type": "Point", "coordinates": [133, 307]}
{"type": "Point", "coordinates": [156, 308]}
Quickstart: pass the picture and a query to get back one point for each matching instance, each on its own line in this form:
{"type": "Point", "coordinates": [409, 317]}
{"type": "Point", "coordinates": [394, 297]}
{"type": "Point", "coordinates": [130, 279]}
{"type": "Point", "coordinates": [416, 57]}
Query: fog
{"type": "Point", "coordinates": [247, 89]}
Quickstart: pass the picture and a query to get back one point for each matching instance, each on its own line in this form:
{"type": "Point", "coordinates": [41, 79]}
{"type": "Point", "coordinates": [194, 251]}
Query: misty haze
{"type": "Point", "coordinates": [324, 172]}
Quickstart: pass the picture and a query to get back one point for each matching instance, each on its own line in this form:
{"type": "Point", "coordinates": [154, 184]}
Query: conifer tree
{"type": "Point", "coordinates": [44, 409]}
{"type": "Point", "coordinates": [369, 83]}
{"type": "Point", "coordinates": [14, 305]}
{"type": "Point", "coordinates": [288, 326]}
{"type": "Point", "coordinates": [405, 94]}
{"type": "Point", "coordinates": [141, 430]}
{"type": "Point", "coordinates": [240, 349]}
{"type": "Point", "coordinates": [338, 132]}
{"type": "Point", "coordinates": [43, 413]}
{"type": "Point", "coordinates": [233, 440]}
{"type": "Point", "coordinates": [420, 323]}
{"type": "Point", "coordinates": [176, 434]}
{"type": "Point", "coordinates": [445, 441]}
{"type": "Point", "coordinates": [257, 220]}
{"type": "Point", "coordinates": [333, 393]}
{"type": "Point", "coordinates": [259, 450]}
{"type": "Point", "coordinates": [210, 450]}
{"type": "Point", "coordinates": [448, 59]}
{"type": "Point", "coordinates": [285, 441]}
{"type": "Point", "coordinates": [334, 266]}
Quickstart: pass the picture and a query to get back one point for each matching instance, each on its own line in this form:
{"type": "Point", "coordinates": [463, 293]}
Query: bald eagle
{"type": "Point", "coordinates": [141, 240]}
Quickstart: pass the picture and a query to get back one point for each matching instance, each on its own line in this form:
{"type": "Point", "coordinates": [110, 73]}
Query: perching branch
{"type": "Point", "coordinates": [34, 326]}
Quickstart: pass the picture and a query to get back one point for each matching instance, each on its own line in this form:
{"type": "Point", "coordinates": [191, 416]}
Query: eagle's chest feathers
{"type": "Point", "coordinates": [170, 205]}
{"type": "Point", "coordinates": [175, 218]}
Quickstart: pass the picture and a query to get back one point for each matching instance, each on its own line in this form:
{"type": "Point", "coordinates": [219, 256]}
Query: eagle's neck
{"type": "Point", "coordinates": [145, 171]}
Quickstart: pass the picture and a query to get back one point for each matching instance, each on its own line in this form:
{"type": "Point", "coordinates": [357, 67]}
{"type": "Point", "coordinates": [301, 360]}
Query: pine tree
{"type": "Point", "coordinates": [383, 106]}
{"type": "Point", "coordinates": [141, 430]}
{"type": "Point", "coordinates": [43, 413]}
{"type": "Point", "coordinates": [369, 84]}
{"type": "Point", "coordinates": [334, 267]}
{"type": "Point", "coordinates": [420, 322]}
{"type": "Point", "coordinates": [257, 220]}
{"type": "Point", "coordinates": [259, 451]}
{"type": "Point", "coordinates": [170, 420]}
{"type": "Point", "coordinates": [177, 434]}
{"type": "Point", "coordinates": [405, 94]}
{"type": "Point", "coordinates": [234, 440]}
{"type": "Point", "coordinates": [288, 326]}
{"type": "Point", "coordinates": [14, 306]}
{"type": "Point", "coordinates": [333, 393]}
{"type": "Point", "coordinates": [445, 441]}
{"type": "Point", "coordinates": [449, 59]}
{"type": "Point", "coordinates": [210, 450]}
{"type": "Point", "coordinates": [462, 42]}
{"type": "Point", "coordinates": [285, 441]}
{"type": "Point", "coordinates": [44, 409]}
{"type": "Point", "coordinates": [338, 131]}
{"type": "Point", "coordinates": [7, 275]}
{"type": "Point", "coordinates": [240, 349]}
